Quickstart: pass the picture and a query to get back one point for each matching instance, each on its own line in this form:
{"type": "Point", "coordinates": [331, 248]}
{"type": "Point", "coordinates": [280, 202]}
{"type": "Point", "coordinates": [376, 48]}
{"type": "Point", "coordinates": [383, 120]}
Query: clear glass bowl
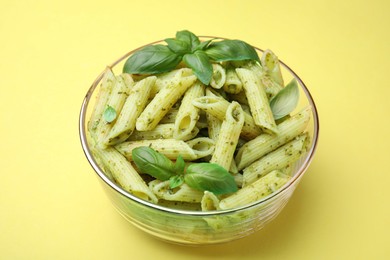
{"type": "Point", "coordinates": [194, 227]}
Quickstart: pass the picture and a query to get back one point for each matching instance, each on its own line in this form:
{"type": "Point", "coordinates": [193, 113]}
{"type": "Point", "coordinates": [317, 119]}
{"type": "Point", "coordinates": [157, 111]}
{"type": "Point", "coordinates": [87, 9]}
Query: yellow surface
{"type": "Point", "coordinates": [51, 204]}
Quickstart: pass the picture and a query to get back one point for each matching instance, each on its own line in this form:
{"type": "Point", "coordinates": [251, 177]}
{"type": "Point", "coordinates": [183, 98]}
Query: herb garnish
{"type": "Point", "coordinates": [200, 176]}
{"type": "Point", "coordinates": [285, 101]}
{"type": "Point", "coordinates": [109, 114]}
{"type": "Point", "coordinates": [195, 54]}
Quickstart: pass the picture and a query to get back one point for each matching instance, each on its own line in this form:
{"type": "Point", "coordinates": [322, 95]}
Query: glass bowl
{"type": "Point", "coordinates": [196, 227]}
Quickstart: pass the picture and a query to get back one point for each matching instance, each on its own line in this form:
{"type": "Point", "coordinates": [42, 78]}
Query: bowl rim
{"type": "Point", "coordinates": [302, 169]}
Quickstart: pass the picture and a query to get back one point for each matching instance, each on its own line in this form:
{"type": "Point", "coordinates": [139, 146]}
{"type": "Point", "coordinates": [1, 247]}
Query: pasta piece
{"type": "Point", "coordinates": [233, 84]}
{"type": "Point", "coordinates": [217, 106]}
{"type": "Point", "coordinates": [118, 96]}
{"type": "Point", "coordinates": [163, 101]}
{"type": "Point", "coordinates": [240, 98]}
{"type": "Point", "coordinates": [188, 114]}
{"type": "Point", "coordinates": [190, 150]}
{"type": "Point", "coordinates": [209, 201]}
{"type": "Point", "coordinates": [258, 100]}
{"type": "Point", "coordinates": [255, 191]}
{"type": "Point", "coordinates": [167, 78]}
{"type": "Point", "coordinates": [161, 131]}
{"type": "Point", "coordinates": [180, 205]}
{"type": "Point", "coordinates": [278, 159]}
{"type": "Point", "coordinates": [271, 66]}
{"type": "Point", "coordinates": [238, 178]}
{"type": "Point", "coordinates": [270, 86]}
{"type": "Point", "coordinates": [183, 193]}
{"type": "Point", "coordinates": [124, 173]}
{"type": "Point", "coordinates": [108, 82]}
{"type": "Point", "coordinates": [219, 76]}
{"type": "Point", "coordinates": [170, 117]}
{"type": "Point", "coordinates": [228, 136]}
{"type": "Point", "coordinates": [214, 126]}
{"type": "Point", "coordinates": [134, 105]}
{"type": "Point", "coordinates": [265, 143]}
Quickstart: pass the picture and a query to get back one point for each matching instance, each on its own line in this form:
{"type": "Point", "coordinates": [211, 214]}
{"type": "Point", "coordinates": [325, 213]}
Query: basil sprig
{"type": "Point", "coordinates": [200, 176]}
{"type": "Point", "coordinates": [195, 54]}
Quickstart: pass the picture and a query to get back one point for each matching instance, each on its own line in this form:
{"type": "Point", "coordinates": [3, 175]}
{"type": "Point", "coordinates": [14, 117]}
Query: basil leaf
{"type": "Point", "coordinates": [203, 45]}
{"type": "Point", "coordinates": [151, 60]}
{"type": "Point", "coordinates": [211, 177]}
{"type": "Point", "coordinates": [231, 50]}
{"type": "Point", "coordinates": [176, 181]}
{"type": "Point", "coordinates": [200, 65]}
{"type": "Point", "coordinates": [178, 47]}
{"type": "Point", "coordinates": [285, 101]}
{"type": "Point", "coordinates": [153, 163]}
{"type": "Point", "coordinates": [179, 165]}
{"type": "Point", "coordinates": [109, 114]}
{"type": "Point", "coordinates": [191, 39]}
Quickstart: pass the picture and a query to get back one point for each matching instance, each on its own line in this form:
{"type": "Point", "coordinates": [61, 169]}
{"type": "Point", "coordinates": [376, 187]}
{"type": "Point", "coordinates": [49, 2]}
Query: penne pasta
{"type": "Point", "coordinates": [219, 76]}
{"type": "Point", "coordinates": [265, 143]}
{"type": "Point", "coordinates": [163, 101]}
{"type": "Point", "coordinates": [271, 66]}
{"type": "Point", "coordinates": [106, 86]}
{"type": "Point", "coordinates": [124, 173]}
{"type": "Point", "coordinates": [116, 100]}
{"type": "Point", "coordinates": [277, 159]}
{"type": "Point", "coordinates": [255, 191]}
{"type": "Point", "coordinates": [183, 193]}
{"type": "Point", "coordinates": [134, 105]}
{"type": "Point", "coordinates": [166, 79]}
{"type": "Point", "coordinates": [233, 84]}
{"type": "Point", "coordinates": [172, 148]}
{"type": "Point", "coordinates": [188, 114]}
{"type": "Point", "coordinates": [228, 136]}
{"type": "Point", "coordinates": [258, 100]}
{"type": "Point", "coordinates": [209, 201]}
{"type": "Point", "coordinates": [217, 106]}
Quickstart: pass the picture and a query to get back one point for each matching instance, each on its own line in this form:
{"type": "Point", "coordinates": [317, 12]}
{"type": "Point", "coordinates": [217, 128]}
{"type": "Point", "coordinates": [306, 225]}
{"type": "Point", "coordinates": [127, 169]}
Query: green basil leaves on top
{"type": "Point", "coordinates": [187, 47]}
{"type": "Point", "coordinates": [200, 65]}
{"type": "Point", "coordinates": [152, 59]}
{"type": "Point", "coordinates": [211, 177]}
{"type": "Point", "coordinates": [153, 163]}
{"type": "Point", "coordinates": [285, 101]}
{"type": "Point", "coordinates": [226, 49]}
{"type": "Point", "coordinates": [200, 176]}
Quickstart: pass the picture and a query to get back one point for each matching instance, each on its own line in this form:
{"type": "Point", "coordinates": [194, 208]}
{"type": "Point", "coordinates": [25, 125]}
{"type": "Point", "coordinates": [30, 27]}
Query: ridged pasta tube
{"type": "Point", "coordinates": [219, 76]}
{"type": "Point", "coordinates": [124, 173]}
{"type": "Point", "coordinates": [106, 86]}
{"type": "Point", "coordinates": [172, 148]}
{"type": "Point", "coordinates": [161, 131]}
{"type": "Point", "coordinates": [255, 191]}
{"type": "Point", "coordinates": [183, 193]}
{"type": "Point", "coordinates": [271, 65]}
{"type": "Point", "coordinates": [134, 105]}
{"type": "Point", "coordinates": [209, 201]}
{"type": "Point", "coordinates": [258, 100]}
{"type": "Point", "coordinates": [233, 84]}
{"type": "Point", "coordinates": [117, 99]}
{"type": "Point", "coordinates": [265, 143]}
{"type": "Point", "coordinates": [165, 79]}
{"type": "Point", "coordinates": [228, 136]}
{"type": "Point", "coordinates": [217, 107]}
{"type": "Point", "coordinates": [277, 159]}
{"type": "Point", "coordinates": [163, 101]}
{"type": "Point", "coordinates": [188, 114]}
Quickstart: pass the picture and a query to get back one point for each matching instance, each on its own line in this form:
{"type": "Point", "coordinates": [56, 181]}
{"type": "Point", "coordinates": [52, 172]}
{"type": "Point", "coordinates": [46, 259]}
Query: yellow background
{"type": "Point", "coordinates": [51, 204]}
